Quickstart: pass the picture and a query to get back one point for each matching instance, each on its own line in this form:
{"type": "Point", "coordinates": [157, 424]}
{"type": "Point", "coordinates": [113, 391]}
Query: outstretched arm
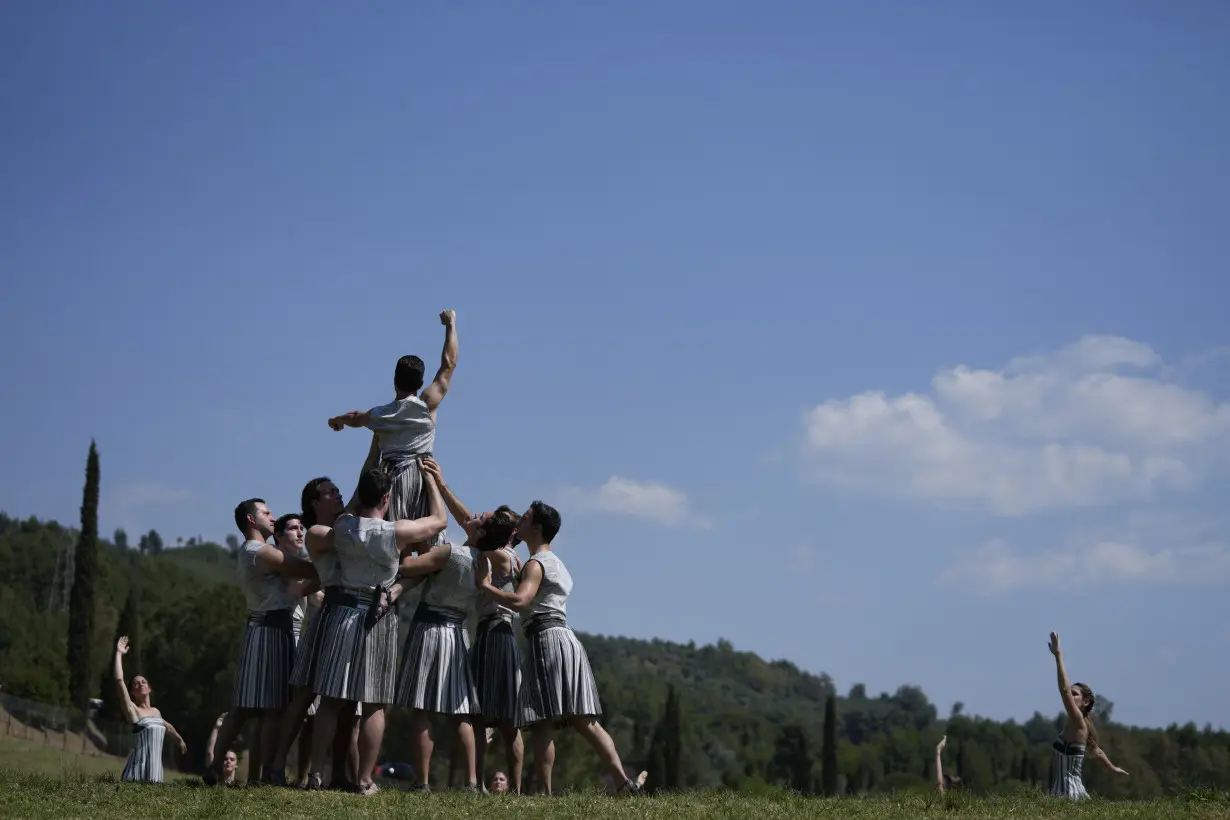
{"type": "Point", "coordinates": [420, 529]}
{"type": "Point", "coordinates": [183, 747]}
{"type": "Point", "coordinates": [531, 579]}
{"type": "Point", "coordinates": [126, 704]}
{"type": "Point", "coordinates": [461, 513]}
{"type": "Point", "coordinates": [369, 462]}
{"type": "Point", "coordinates": [436, 391]}
{"type": "Point", "coordinates": [272, 559]}
{"type": "Point", "coordinates": [424, 564]}
{"type": "Point", "coordinates": [1101, 755]}
{"type": "Point", "coordinates": [355, 418]}
{"type": "Point", "coordinates": [213, 738]}
{"type": "Point", "coordinates": [939, 764]}
{"type": "Point", "coordinates": [1065, 688]}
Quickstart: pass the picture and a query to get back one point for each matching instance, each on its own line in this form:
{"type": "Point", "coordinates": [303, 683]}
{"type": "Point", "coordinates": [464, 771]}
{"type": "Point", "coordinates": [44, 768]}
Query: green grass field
{"type": "Point", "coordinates": [29, 795]}
{"type": "Point", "coordinates": [33, 756]}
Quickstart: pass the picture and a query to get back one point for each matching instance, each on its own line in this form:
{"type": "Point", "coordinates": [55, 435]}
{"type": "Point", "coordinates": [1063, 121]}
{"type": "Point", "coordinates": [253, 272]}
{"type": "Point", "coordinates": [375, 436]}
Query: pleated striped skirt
{"type": "Point", "coordinates": [496, 663]}
{"type": "Point", "coordinates": [307, 649]}
{"type": "Point", "coordinates": [355, 663]}
{"type": "Point", "coordinates": [407, 494]}
{"type": "Point", "coordinates": [556, 680]}
{"type": "Point", "coordinates": [435, 671]}
{"type": "Point", "coordinates": [266, 657]}
{"type": "Point", "coordinates": [144, 763]}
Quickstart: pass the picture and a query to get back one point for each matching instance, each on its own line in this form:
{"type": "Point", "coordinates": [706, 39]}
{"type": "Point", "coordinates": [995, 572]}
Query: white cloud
{"type": "Point", "coordinates": [147, 494]}
{"type": "Point", "coordinates": [1093, 423]}
{"type": "Point", "coordinates": [995, 567]}
{"type": "Point", "coordinates": [650, 500]}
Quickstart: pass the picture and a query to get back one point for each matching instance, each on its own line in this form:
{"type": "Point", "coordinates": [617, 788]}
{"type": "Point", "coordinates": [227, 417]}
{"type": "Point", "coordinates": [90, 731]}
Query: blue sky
{"type": "Point", "coordinates": [883, 337]}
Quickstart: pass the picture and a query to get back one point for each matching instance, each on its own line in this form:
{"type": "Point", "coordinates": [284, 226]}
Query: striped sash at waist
{"type": "Point", "coordinates": [394, 463]}
{"type": "Point", "coordinates": [277, 618]}
{"type": "Point", "coordinates": [496, 623]}
{"type": "Point", "coordinates": [332, 595]}
{"type": "Point", "coordinates": [435, 615]}
{"type": "Point", "coordinates": [538, 624]}
{"type": "Point", "coordinates": [353, 598]}
{"type": "Point", "coordinates": [1068, 748]}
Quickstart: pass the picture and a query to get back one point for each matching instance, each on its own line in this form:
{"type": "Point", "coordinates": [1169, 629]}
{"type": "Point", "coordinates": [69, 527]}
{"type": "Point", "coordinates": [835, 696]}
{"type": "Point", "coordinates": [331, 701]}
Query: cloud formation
{"type": "Point", "coordinates": [1093, 423]}
{"type": "Point", "coordinates": [995, 567]}
{"type": "Point", "coordinates": [649, 500]}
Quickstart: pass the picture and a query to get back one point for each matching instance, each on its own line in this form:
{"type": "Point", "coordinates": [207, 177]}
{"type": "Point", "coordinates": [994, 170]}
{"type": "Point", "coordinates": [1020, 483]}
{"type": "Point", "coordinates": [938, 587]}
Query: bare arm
{"type": "Point", "coordinates": [1065, 689]}
{"type": "Point", "coordinates": [420, 529]}
{"type": "Point", "coordinates": [355, 418]}
{"type": "Point", "coordinates": [126, 704]}
{"type": "Point", "coordinates": [436, 391]}
{"type": "Point", "coordinates": [272, 559]}
{"type": "Point", "coordinates": [303, 587]}
{"type": "Point", "coordinates": [370, 461]}
{"type": "Point", "coordinates": [319, 540]}
{"type": "Point", "coordinates": [213, 738]}
{"type": "Point", "coordinates": [1101, 755]}
{"type": "Point", "coordinates": [431, 561]}
{"type": "Point", "coordinates": [939, 764]}
{"type": "Point", "coordinates": [482, 573]}
{"type": "Point", "coordinates": [461, 513]}
{"type": "Point", "coordinates": [183, 747]}
{"type": "Point", "coordinates": [531, 579]}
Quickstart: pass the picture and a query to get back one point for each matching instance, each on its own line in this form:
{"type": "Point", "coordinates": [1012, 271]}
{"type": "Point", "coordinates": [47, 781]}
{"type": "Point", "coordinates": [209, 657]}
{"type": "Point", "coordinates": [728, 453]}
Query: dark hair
{"type": "Point", "coordinates": [408, 375]}
{"type": "Point", "coordinates": [373, 487]}
{"type": "Point", "coordinates": [1092, 741]}
{"type": "Point", "coordinates": [952, 781]}
{"type": "Point", "coordinates": [307, 499]}
{"type": "Point", "coordinates": [245, 509]}
{"type": "Point", "coordinates": [547, 519]}
{"type": "Point", "coordinates": [279, 526]}
{"type": "Point", "coordinates": [497, 529]}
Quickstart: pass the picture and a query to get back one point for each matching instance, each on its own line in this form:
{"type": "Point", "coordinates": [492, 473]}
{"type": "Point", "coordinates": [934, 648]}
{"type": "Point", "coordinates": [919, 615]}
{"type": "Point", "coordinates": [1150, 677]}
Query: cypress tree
{"type": "Point", "coordinates": [130, 625]}
{"type": "Point", "coordinates": [81, 602]}
{"type": "Point", "coordinates": [672, 740]}
{"type": "Point", "coordinates": [828, 753]}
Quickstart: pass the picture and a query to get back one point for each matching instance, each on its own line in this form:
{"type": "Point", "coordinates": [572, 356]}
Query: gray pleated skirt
{"type": "Point", "coordinates": [556, 680]}
{"type": "Point", "coordinates": [496, 664]}
{"type": "Point", "coordinates": [355, 663]}
{"type": "Point", "coordinates": [435, 671]}
{"type": "Point", "coordinates": [407, 494]}
{"type": "Point", "coordinates": [307, 649]}
{"type": "Point", "coordinates": [266, 656]}
{"type": "Point", "coordinates": [144, 764]}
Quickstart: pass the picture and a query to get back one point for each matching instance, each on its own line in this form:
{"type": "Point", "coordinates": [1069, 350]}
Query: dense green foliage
{"type": "Point", "coordinates": [737, 720]}
{"type": "Point", "coordinates": [81, 607]}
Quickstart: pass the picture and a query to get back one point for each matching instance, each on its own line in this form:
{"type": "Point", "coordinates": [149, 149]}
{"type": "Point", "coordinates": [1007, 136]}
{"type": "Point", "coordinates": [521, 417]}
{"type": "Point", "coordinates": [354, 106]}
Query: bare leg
{"type": "Point", "coordinates": [271, 726]}
{"type": "Point", "coordinates": [305, 749]}
{"type": "Point", "coordinates": [370, 737]}
{"type": "Point", "coordinates": [421, 745]}
{"type": "Point", "coordinates": [341, 737]}
{"type": "Point", "coordinates": [327, 719]}
{"type": "Point", "coordinates": [589, 728]}
{"type": "Point", "coordinates": [465, 734]}
{"type": "Point", "coordinates": [256, 752]}
{"type": "Point", "coordinates": [544, 755]}
{"type": "Point", "coordinates": [514, 747]}
{"type": "Point", "coordinates": [480, 752]}
{"type": "Point", "coordinates": [352, 752]}
{"type": "Point", "coordinates": [292, 722]}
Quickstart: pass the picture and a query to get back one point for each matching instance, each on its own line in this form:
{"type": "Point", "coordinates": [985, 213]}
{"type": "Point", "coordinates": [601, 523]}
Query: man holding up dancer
{"type": "Point", "coordinates": [358, 663]}
{"type": "Point", "coordinates": [290, 535]}
{"type": "Point", "coordinates": [495, 659]}
{"type": "Point", "coordinates": [267, 652]}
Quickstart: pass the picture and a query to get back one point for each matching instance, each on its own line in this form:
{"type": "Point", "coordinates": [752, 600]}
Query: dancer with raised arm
{"type": "Point", "coordinates": [230, 760]}
{"type": "Point", "coordinates": [267, 651]}
{"type": "Point", "coordinates": [495, 659]}
{"type": "Point", "coordinates": [557, 682]}
{"type": "Point", "coordinates": [357, 663]}
{"type": "Point", "coordinates": [1078, 734]}
{"type": "Point", "coordinates": [405, 428]}
{"type": "Point", "coordinates": [944, 782]}
{"type": "Point", "coordinates": [145, 760]}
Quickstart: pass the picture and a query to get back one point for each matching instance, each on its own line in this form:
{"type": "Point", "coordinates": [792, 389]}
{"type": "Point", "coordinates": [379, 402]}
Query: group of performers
{"type": "Point", "coordinates": [319, 650]}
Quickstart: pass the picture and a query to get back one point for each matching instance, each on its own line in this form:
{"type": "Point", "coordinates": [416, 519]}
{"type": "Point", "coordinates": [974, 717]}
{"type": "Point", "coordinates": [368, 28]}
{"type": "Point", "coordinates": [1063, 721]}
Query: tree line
{"type": "Point", "coordinates": [695, 717]}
